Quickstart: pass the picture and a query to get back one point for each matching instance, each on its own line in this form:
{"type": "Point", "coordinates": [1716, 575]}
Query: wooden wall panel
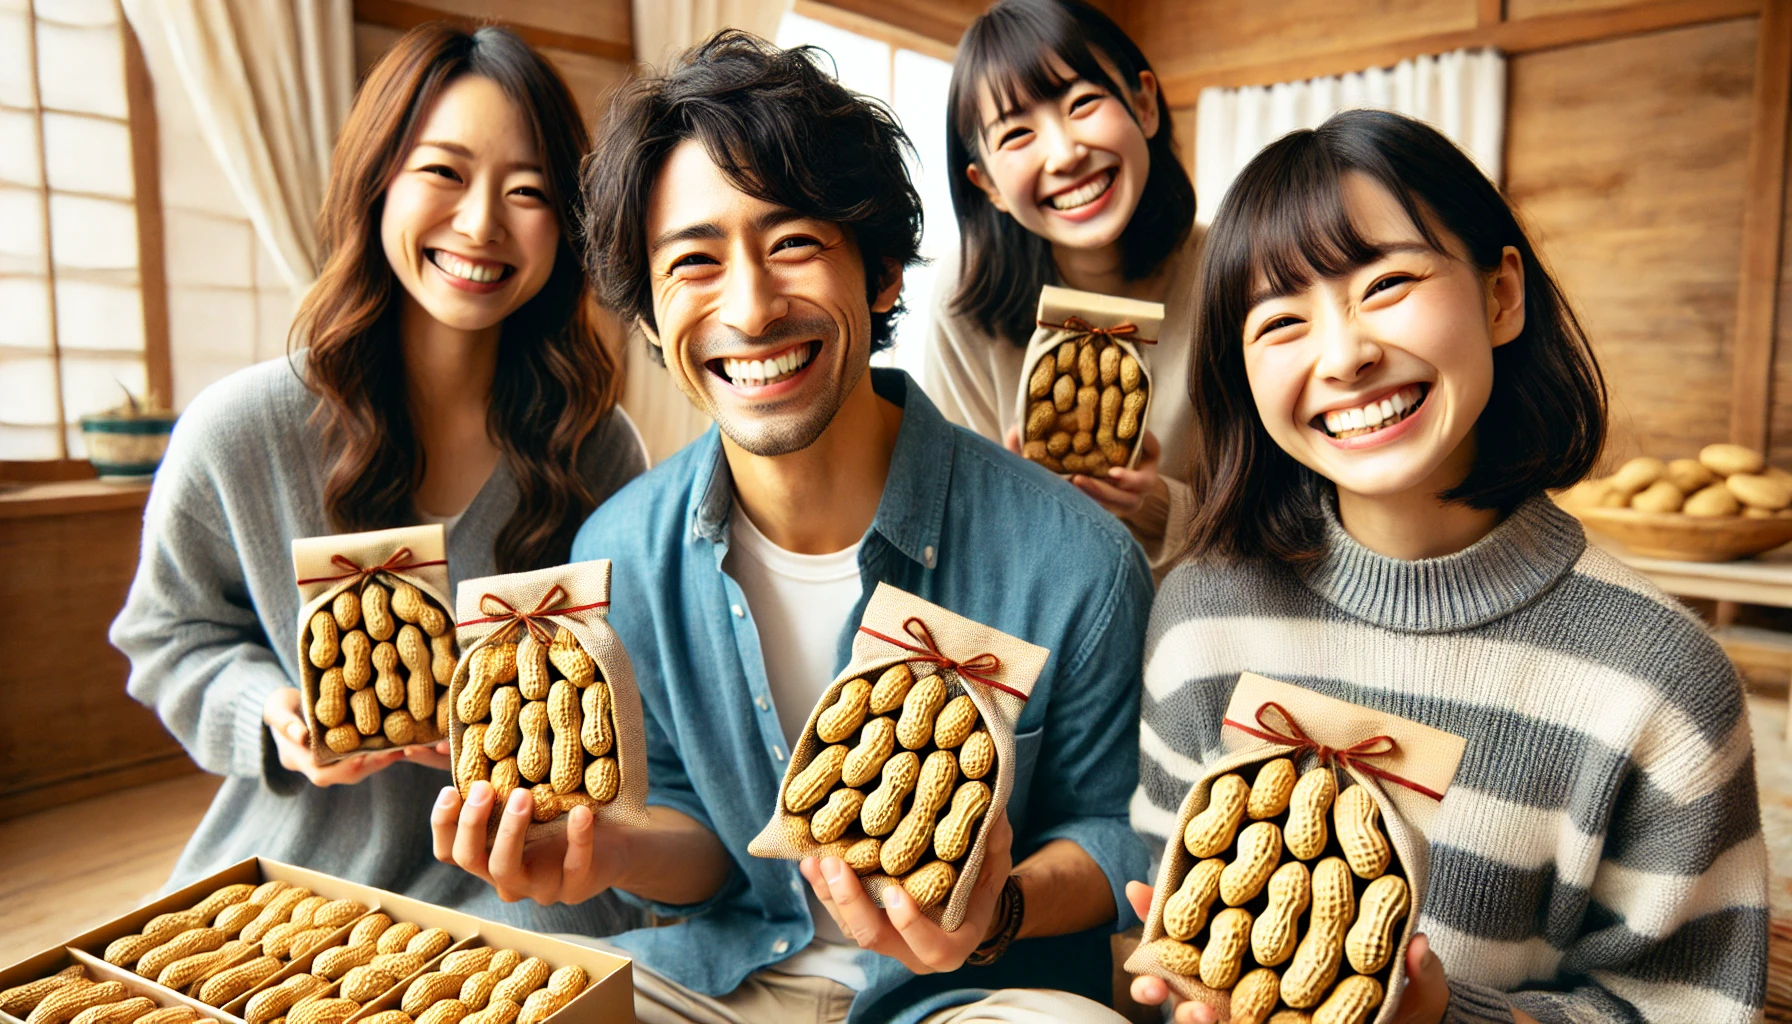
{"type": "Point", "coordinates": [70, 729]}
{"type": "Point", "coordinates": [1517, 10]}
{"type": "Point", "coordinates": [1628, 159]}
{"type": "Point", "coordinates": [590, 78]}
{"type": "Point", "coordinates": [1781, 427]}
{"type": "Point", "coordinates": [1185, 36]}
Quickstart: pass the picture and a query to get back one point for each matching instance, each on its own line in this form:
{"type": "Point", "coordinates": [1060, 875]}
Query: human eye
{"type": "Point", "coordinates": [441, 170]}
{"type": "Point", "coordinates": [530, 192]}
{"type": "Point", "coordinates": [1274, 324]}
{"type": "Point", "coordinates": [692, 261]}
{"type": "Point", "coordinates": [1086, 101]}
{"type": "Point", "coordinates": [794, 243]}
{"type": "Point", "coordinates": [1019, 135]}
{"type": "Point", "coordinates": [1388, 283]}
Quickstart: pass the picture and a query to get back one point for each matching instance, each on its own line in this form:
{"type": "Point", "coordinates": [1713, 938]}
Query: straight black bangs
{"type": "Point", "coordinates": [1010, 58]}
{"type": "Point", "coordinates": [1298, 222]}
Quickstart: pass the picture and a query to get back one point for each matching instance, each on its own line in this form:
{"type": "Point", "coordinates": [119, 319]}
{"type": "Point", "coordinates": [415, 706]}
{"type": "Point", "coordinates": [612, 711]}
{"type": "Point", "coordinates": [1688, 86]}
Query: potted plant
{"type": "Point", "coordinates": [127, 443]}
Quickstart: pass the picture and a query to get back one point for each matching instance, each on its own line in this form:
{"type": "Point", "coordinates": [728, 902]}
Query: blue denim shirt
{"type": "Point", "coordinates": [964, 524]}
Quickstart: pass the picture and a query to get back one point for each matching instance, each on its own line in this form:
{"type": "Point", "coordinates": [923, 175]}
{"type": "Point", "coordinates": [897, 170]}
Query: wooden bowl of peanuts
{"type": "Point", "coordinates": [1724, 505]}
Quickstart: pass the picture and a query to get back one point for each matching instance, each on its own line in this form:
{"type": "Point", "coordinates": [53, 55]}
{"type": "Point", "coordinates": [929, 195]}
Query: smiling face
{"type": "Point", "coordinates": [1069, 168]}
{"type": "Point", "coordinates": [761, 312]}
{"type": "Point", "coordinates": [1375, 379]}
{"type": "Point", "coordinates": [467, 225]}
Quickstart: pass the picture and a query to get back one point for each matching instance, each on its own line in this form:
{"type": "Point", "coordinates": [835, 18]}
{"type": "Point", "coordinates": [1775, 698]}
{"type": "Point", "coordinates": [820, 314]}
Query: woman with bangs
{"type": "Point", "coordinates": [1065, 173]}
{"type": "Point", "coordinates": [1387, 384]}
{"type": "Point", "coordinates": [446, 369]}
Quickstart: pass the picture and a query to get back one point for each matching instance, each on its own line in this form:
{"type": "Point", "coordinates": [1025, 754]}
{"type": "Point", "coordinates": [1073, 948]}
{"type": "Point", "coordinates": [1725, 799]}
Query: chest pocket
{"type": "Point", "coordinates": [1026, 756]}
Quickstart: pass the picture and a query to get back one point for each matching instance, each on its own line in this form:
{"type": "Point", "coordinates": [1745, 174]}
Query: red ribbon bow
{"type": "Point", "coordinates": [400, 559]}
{"type": "Point", "coordinates": [977, 668]}
{"type": "Point", "coordinates": [499, 610]}
{"type": "Point", "coordinates": [1291, 734]}
{"type": "Point", "coordinates": [1078, 325]}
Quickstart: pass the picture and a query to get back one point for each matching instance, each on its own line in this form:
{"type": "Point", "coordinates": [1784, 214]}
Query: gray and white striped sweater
{"type": "Point", "coordinates": [1599, 855]}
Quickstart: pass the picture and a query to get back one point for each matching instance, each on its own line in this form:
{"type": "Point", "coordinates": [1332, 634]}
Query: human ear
{"type": "Point", "coordinates": [1505, 298]}
{"type": "Point", "coordinates": [988, 185]}
{"type": "Point", "coordinates": [1145, 105]}
{"type": "Point", "coordinates": [890, 288]}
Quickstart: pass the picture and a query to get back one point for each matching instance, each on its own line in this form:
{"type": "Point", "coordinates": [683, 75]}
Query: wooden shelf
{"type": "Point", "coordinates": [1765, 579]}
{"type": "Point", "coordinates": [32, 500]}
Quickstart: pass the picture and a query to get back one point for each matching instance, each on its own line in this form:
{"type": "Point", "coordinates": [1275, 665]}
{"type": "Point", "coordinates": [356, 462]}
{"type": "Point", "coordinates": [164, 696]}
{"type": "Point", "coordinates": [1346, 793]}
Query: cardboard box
{"type": "Point", "coordinates": [607, 999]}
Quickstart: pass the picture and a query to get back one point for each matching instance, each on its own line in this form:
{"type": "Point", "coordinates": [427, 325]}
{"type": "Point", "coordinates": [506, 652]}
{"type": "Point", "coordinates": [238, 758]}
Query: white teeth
{"type": "Point", "coordinates": [1083, 194]}
{"type": "Point", "coordinates": [465, 270]}
{"type": "Point", "coordinates": [755, 372]}
{"type": "Point", "coordinates": [1372, 416]}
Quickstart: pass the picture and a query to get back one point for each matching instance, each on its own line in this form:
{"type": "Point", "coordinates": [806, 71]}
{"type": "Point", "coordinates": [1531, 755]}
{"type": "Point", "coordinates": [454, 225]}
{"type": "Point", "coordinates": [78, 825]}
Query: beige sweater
{"type": "Point", "coordinates": [975, 378]}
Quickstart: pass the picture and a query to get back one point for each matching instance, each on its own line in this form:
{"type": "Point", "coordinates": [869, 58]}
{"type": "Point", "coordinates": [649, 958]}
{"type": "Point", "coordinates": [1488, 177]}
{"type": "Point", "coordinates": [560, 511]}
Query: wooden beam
{"type": "Point", "coordinates": [1528, 35]}
{"type": "Point", "coordinates": [1763, 217]}
{"type": "Point", "coordinates": [895, 36]}
{"type": "Point", "coordinates": [146, 173]}
{"type": "Point", "coordinates": [1489, 12]}
{"type": "Point", "coordinates": [929, 26]}
{"type": "Point", "coordinates": [404, 16]}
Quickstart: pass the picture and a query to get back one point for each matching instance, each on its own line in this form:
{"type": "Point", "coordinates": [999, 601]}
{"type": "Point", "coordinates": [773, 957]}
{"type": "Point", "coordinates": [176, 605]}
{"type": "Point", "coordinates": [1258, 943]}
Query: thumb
{"type": "Point", "coordinates": [1427, 994]}
{"type": "Point", "coordinates": [1139, 895]}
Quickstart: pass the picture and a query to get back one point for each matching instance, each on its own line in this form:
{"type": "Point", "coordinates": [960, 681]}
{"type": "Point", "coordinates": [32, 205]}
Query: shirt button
{"type": "Point", "coordinates": [778, 752]}
{"type": "Point", "coordinates": [780, 946]}
{"type": "Point", "coordinates": [927, 556]}
{"type": "Point", "coordinates": [739, 612]}
{"type": "Point", "coordinates": [764, 705]}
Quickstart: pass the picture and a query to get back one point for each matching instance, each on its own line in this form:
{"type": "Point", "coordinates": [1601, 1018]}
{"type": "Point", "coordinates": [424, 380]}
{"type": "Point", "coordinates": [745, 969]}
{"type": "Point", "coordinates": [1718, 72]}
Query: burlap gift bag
{"type": "Point", "coordinates": [1267, 951]}
{"type": "Point", "coordinates": [376, 643]}
{"type": "Point", "coordinates": [905, 766]}
{"type": "Point", "coordinates": [545, 697]}
{"type": "Point", "coordinates": [1085, 392]}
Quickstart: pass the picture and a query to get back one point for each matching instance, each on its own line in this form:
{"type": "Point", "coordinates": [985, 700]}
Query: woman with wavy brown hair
{"type": "Point", "coordinates": [446, 368]}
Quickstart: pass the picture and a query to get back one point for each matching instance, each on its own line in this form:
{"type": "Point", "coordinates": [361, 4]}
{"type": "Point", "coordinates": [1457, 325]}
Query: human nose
{"type": "Point", "coordinates": [750, 299]}
{"type": "Point", "coordinates": [1346, 351]}
{"type": "Point", "coordinates": [1062, 151]}
{"type": "Point", "coordinates": [477, 217]}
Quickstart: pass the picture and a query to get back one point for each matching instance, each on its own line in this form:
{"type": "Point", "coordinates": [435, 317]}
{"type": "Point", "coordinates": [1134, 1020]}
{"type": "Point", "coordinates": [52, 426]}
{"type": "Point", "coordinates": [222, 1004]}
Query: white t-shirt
{"type": "Point", "coordinates": [799, 604]}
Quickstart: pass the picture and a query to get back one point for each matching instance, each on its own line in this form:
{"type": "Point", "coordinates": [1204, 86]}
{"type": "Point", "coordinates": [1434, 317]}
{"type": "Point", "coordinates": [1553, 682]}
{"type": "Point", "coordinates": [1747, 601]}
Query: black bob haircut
{"type": "Point", "coordinates": [1285, 222]}
{"type": "Point", "coordinates": [781, 129]}
{"type": "Point", "coordinates": [1009, 53]}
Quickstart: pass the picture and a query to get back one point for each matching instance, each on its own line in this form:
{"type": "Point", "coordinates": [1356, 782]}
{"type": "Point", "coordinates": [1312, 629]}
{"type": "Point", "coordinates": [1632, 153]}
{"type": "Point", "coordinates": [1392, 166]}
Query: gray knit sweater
{"type": "Point", "coordinates": [1599, 855]}
{"type": "Point", "coordinates": [210, 627]}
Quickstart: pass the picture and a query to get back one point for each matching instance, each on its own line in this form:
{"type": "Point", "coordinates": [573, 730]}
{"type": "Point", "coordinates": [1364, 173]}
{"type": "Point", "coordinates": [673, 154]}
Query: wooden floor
{"type": "Point", "coordinates": [70, 868]}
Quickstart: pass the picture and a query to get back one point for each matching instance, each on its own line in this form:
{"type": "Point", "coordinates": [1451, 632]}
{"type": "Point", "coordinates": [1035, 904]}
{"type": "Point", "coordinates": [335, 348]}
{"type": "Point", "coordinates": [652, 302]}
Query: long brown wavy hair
{"type": "Point", "coordinates": [555, 380]}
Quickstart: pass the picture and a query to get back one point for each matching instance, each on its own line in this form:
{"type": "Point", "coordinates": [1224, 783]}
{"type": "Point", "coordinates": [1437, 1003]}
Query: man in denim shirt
{"type": "Point", "coordinates": [755, 219]}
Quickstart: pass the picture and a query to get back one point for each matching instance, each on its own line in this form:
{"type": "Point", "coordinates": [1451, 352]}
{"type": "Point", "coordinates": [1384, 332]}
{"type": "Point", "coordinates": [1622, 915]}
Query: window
{"type": "Point", "coordinates": [914, 85]}
{"type": "Point", "coordinates": [72, 324]}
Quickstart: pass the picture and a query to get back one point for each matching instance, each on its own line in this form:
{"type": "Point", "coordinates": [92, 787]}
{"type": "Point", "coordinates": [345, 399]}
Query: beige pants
{"type": "Point", "coordinates": [768, 997]}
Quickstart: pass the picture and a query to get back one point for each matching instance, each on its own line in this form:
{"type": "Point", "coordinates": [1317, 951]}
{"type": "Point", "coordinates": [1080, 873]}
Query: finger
{"type": "Point", "coordinates": [858, 917]}
{"type": "Point", "coordinates": [442, 818]}
{"type": "Point", "coordinates": [1139, 895]}
{"type": "Point", "coordinates": [1148, 991]}
{"type": "Point", "coordinates": [578, 874]}
{"type": "Point", "coordinates": [469, 840]}
{"type": "Point", "coordinates": [939, 950]}
{"type": "Point", "coordinates": [1111, 498]}
{"type": "Point", "coordinates": [1011, 440]}
{"type": "Point", "coordinates": [1196, 1013]}
{"type": "Point", "coordinates": [1133, 481]}
{"type": "Point", "coordinates": [507, 851]}
{"type": "Point", "coordinates": [810, 867]}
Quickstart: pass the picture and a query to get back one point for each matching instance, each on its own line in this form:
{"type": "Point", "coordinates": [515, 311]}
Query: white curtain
{"type": "Point", "coordinates": [666, 418]}
{"type": "Point", "coordinates": [270, 82]}
{"type": "Point", "coordinates": [1462, 94]}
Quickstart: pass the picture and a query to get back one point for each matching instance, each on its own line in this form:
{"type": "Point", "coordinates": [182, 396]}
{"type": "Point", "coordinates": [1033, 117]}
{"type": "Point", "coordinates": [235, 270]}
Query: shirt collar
{"type": "Point", "coordinates": [913, 507]}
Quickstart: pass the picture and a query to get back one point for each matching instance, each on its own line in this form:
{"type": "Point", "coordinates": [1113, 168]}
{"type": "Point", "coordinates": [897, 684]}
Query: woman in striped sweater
{"type": "Point", "coordinates": [1386, 382]}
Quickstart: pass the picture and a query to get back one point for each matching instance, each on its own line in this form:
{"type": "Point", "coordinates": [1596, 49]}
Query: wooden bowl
{"type": "Point", "coordinates": [1686, 538]}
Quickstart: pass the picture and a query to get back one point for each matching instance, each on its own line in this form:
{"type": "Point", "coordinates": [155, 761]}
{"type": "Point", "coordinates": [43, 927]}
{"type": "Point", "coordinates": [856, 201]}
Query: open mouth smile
{"type": "Point", "coordinates": [1371, 417]}
{"type": "Point", "coordinates": [464, 269]}
{"type": "Point", "coordinates": [773, 369]}
{"type": "Point", "coordinates": [1082, 195]}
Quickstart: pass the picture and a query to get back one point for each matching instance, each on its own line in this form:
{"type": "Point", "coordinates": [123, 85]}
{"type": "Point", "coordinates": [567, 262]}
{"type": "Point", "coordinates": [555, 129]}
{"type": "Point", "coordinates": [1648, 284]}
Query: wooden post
{"type": "Point", "coordinates": [1763, 215]}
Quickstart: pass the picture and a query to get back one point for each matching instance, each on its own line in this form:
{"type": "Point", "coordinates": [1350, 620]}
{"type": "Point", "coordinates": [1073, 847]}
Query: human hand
{"type": "Point", "coordinates": [1011, 440]}
{"type": "Point", "coordinates": [899, 929]}
{"type": "Point", "coordinates": [1124, 491]}
{"type": "Point", "coordinates": [429, 755]}
{"type": "Point", "coordinates": [281, 713]}
{"type": "Point", "coordinates": [569, 868]}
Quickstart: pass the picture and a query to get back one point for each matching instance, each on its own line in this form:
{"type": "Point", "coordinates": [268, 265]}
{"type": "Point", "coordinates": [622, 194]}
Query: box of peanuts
{"type": "Point", "coordinates": [376, 639]}
{"type": "Point", "coordinates": [907, 758]}
{"type": "Point", "coordinates": [1085, 391]}
{"type": "Point", "coordinates": [546, 698]}
{"type": "Point", "coordinates": [263, 942]}
{"type": "Point", "coordinates": [1292, 880]}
